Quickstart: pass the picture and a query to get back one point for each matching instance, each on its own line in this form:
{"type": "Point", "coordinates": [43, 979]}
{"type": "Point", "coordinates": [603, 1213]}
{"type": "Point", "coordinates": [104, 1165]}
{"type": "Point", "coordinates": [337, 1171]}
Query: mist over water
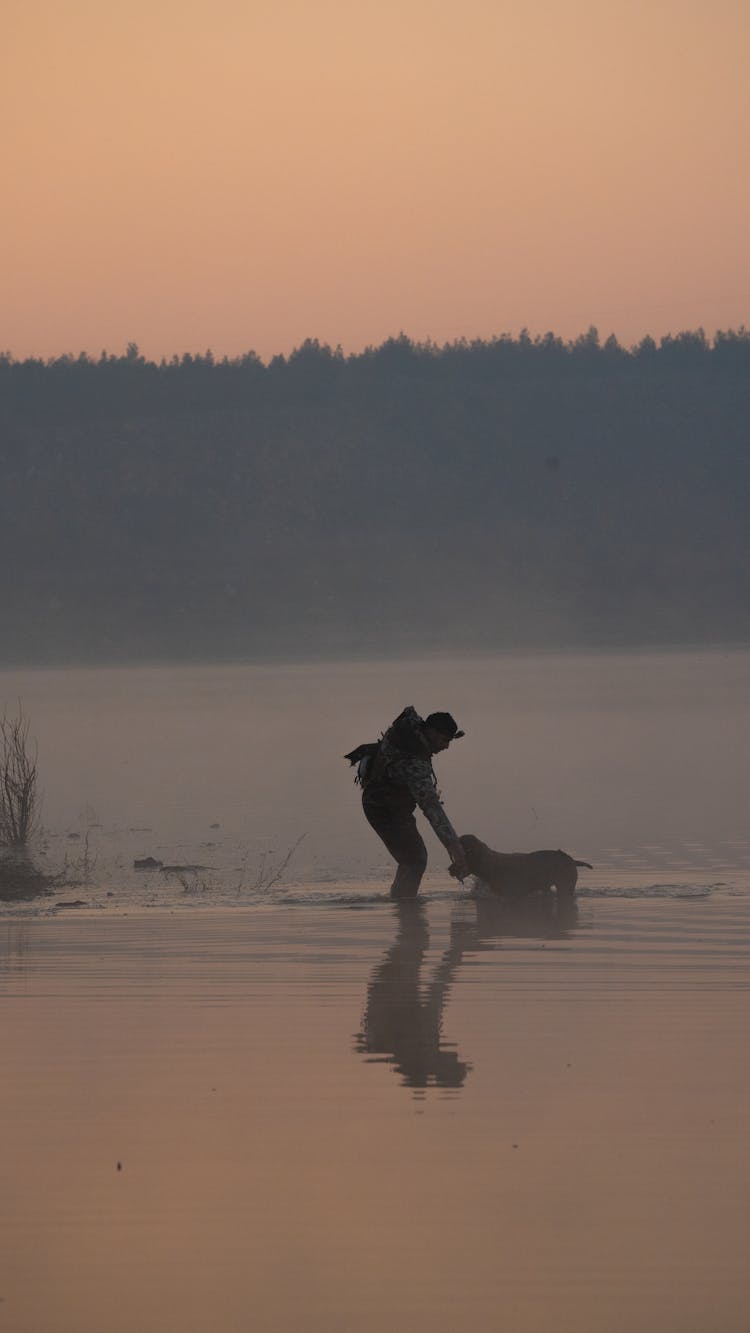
{"type": "Point", "coordinates": [638, 762]}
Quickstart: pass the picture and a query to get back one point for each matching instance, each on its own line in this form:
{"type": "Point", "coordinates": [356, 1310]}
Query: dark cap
{"type": "Point", "coordinates": [445, 724]}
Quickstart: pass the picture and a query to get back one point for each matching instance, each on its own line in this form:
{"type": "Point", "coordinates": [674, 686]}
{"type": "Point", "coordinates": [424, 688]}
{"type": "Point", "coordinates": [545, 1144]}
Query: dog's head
{"type": "Point", "coordinates": [475, 851]}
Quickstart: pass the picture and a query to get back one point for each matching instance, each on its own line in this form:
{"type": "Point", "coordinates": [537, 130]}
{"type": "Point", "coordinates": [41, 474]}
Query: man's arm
{"type": "Point", "coordinates": [418, 777]}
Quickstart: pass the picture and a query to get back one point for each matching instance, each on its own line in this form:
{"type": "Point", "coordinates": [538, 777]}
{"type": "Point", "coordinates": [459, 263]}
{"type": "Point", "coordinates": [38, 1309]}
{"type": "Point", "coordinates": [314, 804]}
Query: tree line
{"type": "Point", "coordinates": [109, 383]}
{"type": "Point", "coordinates": [508, 493]}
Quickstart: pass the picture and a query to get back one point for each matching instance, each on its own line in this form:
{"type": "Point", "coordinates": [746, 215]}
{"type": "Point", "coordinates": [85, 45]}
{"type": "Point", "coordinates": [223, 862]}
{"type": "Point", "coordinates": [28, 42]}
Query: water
{"type": "Point", "coordinates": [230, 1104]}
{"type": "Point", "coordinates": [637, 762]}
{"type": "Point", "coordinates": [319, 1118]}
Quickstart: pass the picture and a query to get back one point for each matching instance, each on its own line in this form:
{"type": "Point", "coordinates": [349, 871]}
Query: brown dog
{"type": "Point", "coordinates": [520, 873]}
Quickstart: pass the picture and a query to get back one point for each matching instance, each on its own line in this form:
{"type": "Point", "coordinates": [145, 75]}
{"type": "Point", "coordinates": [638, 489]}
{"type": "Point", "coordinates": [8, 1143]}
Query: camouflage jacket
{"type": "Point", "coordinates": [404, 759]}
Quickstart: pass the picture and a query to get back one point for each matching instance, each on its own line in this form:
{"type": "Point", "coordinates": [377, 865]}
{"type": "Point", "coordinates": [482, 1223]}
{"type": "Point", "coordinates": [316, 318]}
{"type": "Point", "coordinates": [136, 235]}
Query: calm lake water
{"type": "Point", "coordinates": [230, 1106]}
{"type": "Point", "coordinates": [283, 1118]}
{"type": "Point", "coordinates": [637, 762]}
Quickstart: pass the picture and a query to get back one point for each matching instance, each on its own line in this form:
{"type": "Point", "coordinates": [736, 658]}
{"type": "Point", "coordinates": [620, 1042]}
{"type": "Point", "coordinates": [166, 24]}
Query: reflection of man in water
{"type": "Point", "coordinates": [402, 1021]}
{"type": "Point", "coordinates": [396, 775]}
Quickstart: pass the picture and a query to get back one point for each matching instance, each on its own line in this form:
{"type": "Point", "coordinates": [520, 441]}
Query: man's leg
{"type": "Point", "coordinates": [408, 878]}
{"type": "Point", "coordinates": [398, 830]}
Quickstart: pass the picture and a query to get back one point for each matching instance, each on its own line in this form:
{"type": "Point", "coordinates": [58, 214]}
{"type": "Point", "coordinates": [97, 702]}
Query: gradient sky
{"type": "Point", "coordinates": [250, 173]}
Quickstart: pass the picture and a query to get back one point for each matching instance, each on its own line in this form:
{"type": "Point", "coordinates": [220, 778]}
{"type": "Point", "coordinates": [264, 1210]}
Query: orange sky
{"type": "Point", "coordinates": [249, 173]}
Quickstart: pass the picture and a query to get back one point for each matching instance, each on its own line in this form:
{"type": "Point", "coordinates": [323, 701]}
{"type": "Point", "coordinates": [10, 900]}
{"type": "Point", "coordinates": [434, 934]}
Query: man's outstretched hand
{"type": "Point", "coordinates": [458, 868]}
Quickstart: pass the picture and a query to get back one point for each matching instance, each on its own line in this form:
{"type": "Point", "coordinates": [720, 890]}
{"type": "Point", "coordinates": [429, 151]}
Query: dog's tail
{"type": "Point", "coordinates": [587, 864]}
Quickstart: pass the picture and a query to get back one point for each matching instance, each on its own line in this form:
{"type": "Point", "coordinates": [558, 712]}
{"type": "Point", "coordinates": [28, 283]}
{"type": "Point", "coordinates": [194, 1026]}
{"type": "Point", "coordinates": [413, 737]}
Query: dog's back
{"type": "Point", "coordinates": [521, 872]}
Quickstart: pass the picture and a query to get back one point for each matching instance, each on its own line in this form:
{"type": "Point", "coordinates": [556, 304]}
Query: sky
{"type": "Point", "coordinates": [251, 173]}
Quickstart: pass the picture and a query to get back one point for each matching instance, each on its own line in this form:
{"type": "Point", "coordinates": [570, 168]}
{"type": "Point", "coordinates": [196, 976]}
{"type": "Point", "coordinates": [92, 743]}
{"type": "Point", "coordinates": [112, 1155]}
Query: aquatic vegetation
{"type": "Point", "coordinates": [20, 878]}
{"type": "Point", "coordinates": [19, 797]}
{"type": "Point", "coordinates": [268, 872]}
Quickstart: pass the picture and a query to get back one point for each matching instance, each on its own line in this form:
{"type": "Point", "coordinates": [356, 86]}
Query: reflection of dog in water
{"type": "Point", "coordinates": [520, 873]}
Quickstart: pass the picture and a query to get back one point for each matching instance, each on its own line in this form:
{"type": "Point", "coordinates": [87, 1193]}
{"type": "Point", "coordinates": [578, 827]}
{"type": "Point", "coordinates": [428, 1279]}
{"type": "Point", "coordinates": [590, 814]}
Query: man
{"type": "Point", "coordinates": [396, 775]}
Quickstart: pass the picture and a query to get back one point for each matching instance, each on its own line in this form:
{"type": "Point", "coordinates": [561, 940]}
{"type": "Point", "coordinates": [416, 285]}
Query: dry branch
{"type": "Point", "coordinates": [268, 874]}
{"type": "Point", "coordinates": [18, 780]}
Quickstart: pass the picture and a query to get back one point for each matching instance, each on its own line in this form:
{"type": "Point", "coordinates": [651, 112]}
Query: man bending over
{"type": "Point", "coordinates": [396, 776]}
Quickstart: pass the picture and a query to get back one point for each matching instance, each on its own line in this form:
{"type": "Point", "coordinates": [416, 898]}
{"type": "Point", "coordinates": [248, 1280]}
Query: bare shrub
{"type": "Point", "coordinates": [18, 780]}
{"type": "Point", "coordinates": [78, 870]}
{"type": "Point", "coordinates": [270, 872]}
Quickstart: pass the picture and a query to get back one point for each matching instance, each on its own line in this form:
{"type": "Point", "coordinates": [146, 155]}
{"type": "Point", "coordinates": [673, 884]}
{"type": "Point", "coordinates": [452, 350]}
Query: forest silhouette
{"type": "Point", "coordinates": [511, 493]}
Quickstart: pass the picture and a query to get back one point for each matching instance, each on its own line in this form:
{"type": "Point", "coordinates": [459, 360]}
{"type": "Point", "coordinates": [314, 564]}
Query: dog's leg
{"type": "Point", "coordinates": [566, 880]}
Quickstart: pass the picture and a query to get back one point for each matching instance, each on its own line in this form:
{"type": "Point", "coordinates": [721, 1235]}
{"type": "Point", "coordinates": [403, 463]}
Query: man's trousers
{"type": "Point", "coordinates": [390, 811]}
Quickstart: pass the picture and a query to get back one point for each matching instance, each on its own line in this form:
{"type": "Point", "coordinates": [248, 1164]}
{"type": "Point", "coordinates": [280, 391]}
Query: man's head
{"type": "Point", "coordinates": [440, 729]}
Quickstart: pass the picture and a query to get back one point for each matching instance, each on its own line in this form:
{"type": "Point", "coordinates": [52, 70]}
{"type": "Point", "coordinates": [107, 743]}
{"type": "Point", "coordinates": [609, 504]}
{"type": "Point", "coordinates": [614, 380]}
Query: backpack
{"type": "Point", "coordinates": [364, 758]}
